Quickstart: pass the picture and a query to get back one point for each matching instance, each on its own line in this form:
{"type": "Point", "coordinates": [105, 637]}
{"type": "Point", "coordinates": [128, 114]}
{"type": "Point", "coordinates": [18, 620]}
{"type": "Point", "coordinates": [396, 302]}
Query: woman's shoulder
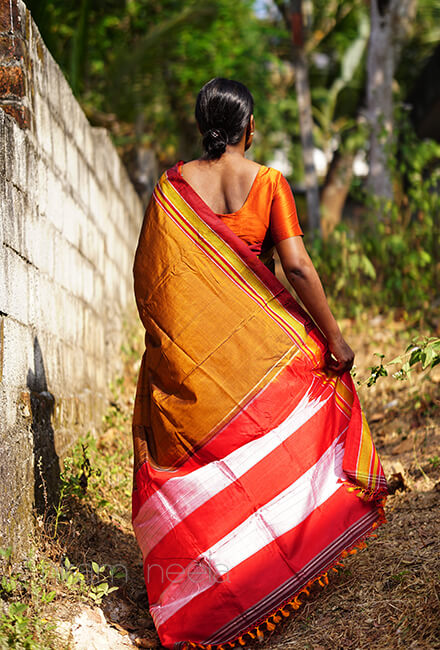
{"type": "Point", "coordinates": [269, 175]}
{"type": "Point", "coordinates": [263, 172]}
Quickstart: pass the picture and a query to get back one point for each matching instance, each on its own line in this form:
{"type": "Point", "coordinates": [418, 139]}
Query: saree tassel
{"type": "Point", "coordinates": [305, 591]}
{"type": "Point", "coordinates": [270, 626]}
{"type": "Point", "coordinates": [295, 603]}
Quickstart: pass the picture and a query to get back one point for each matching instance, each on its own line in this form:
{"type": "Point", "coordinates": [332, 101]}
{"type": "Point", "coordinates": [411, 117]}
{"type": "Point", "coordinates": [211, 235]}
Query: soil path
{"type": "Point", "coordinates": [386, 596]}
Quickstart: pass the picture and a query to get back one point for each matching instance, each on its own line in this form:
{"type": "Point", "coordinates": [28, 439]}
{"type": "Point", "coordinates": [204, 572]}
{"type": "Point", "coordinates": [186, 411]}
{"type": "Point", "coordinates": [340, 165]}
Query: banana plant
{"type": "Point", "coordinates": [351, 62]}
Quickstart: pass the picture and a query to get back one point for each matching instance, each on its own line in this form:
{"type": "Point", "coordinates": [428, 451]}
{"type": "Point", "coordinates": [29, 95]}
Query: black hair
{"type": "Point", "coordinates": [223, 111]}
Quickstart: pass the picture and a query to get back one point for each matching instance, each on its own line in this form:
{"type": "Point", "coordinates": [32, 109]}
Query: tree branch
{"type": "Point", "coordinates": [284, 11]}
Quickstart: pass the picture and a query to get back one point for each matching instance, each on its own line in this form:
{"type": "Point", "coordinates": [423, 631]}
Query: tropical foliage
{"type": "Point", "coordinates": [136, 67]}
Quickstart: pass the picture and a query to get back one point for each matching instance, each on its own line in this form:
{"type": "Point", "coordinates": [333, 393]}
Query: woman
{"type": "Point", "coordinates": [251, 449]}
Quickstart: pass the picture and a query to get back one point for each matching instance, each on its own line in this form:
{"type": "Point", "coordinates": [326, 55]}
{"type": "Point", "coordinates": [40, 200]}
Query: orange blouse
{"type": "Point", "coordinates": [268, 215]}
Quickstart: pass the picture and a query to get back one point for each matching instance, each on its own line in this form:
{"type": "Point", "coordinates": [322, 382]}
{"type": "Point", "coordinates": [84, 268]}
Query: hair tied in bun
{"type": "Point", "coordinates": [223, 110]}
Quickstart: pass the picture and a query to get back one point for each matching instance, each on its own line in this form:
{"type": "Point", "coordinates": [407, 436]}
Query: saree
{"type": "Point", "coordinates": [254, 468]}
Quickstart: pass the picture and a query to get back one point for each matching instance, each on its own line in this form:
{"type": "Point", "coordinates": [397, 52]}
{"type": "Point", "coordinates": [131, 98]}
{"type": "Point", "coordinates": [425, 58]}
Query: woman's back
{"type": "Point", "coordinates": [253, 200]}
{"type": "Point", "coordinates": [224, 185]}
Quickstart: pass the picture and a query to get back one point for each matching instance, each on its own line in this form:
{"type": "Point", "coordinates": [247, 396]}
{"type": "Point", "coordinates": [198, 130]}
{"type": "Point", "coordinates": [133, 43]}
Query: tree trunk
{"type": "Point", "coordinates": [334, 193]}
{"type": "Point", "coordinates": [305, 116]}
{"type": "Point", "coordinates": [390, 23]}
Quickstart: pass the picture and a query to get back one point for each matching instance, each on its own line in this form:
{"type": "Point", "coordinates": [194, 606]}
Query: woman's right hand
{"type": "Point", "coordinates": [341, 356]}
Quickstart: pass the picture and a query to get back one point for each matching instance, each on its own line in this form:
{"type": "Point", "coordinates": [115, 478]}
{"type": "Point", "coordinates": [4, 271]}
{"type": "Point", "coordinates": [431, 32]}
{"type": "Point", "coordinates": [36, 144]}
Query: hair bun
{"type": "Point", "coordinates": [218, 134]}
{"type": "Point", "coordinates": [223, 111]}
{"type": "Point", "coordinates": [215, 141]}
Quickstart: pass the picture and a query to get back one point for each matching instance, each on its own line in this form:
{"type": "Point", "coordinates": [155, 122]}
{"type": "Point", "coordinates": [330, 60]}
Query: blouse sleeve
{"type": "Point", "coordinates": [283, 218]}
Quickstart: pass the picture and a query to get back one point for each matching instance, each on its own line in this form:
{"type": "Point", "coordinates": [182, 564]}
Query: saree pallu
{"type": "Point", "coordinates": [254, 468]}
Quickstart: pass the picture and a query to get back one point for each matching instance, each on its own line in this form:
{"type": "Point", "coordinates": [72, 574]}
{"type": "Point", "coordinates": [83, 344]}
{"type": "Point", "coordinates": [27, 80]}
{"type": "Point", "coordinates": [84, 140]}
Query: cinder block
{"type": "Point", "coordinates": [88, 283]}
{"type": "Point", "coordinates": [14, 225]}
{"type": "Point", "coordinates": [43, 128]}
{"type": "Point", "coordinates": [91, 242]}
{"type": "Point", "coordinates": [72, 174]}
{"type": "Point", "coordinates": [9, 146]}
{"type": "Point", "coordinates": [55, 80]}
{"type": "Point", "coordinates": [71, 221]}
{"type": "Point", "coordinates": [44, 305]}
{"type": "Point", "coordinates": [79, 124]}
{"type": "Point", "coordinates": [17, 360]}
{"type": "Point", "coordinates": [56, 198]}
{"type": "Point", "coordinates": [31, 182]}
{"type": "Point", "coordinates": [2, 146]}
{"type": "Point", "coordinates": [39, 56]}
{"type": "Point", "coordinates": [73, 312]}
{"type": "Point", "coordinates": [16, 491]}
{"type": "Point", "coordinates": [15, 272]}
{"type": "Point", "coordinates": [66, 103]}
{"type": "Point", "coordinates": [65, 273]}
{"type": "Point", "coordinates": [97, 203]}
{"type": "Point", "coordinates": [42, 185]}
{"type": "Point", "coordinates": [88, 150]}
{"type": "Point", "coordinates": [39, 237]}
{"type": "Point", "coordinates": [47, 361]}
{"type": "Point", "coordinates": [59, 145]}
{"type": "Point", "coordinates": [20, 159]}
{"type": "Point", "coordinates": [98, 293]}
{"type": "Point", "coordinates": [84, 182]}
{"type": "Point", "coordinates": [37, 52]}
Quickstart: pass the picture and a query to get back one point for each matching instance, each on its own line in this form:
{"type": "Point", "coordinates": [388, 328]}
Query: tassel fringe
{"type": "Point", "coordinates": [271, 621]}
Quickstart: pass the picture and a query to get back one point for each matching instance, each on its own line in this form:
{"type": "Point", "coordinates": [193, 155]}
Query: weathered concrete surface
{"type": "Point", "coordinates": [69, 224]}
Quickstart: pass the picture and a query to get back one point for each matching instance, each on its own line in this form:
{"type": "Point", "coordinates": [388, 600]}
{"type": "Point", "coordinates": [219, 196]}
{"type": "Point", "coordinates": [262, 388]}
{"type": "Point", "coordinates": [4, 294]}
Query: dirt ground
{"type": "Point", "coordinates": [386, 596]}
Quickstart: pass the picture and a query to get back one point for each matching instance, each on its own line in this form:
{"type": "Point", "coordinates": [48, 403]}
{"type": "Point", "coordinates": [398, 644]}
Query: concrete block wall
{"type": "Point", "coordinates": [70, 220]}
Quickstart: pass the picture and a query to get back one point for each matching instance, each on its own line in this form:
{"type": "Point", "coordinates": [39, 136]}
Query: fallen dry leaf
{"type": "Point", "coordinates": [120, 629]}
{"type": "Point", "coordinates": [146, 643]}
{"type": "Point", "coordinates": [396, 482]}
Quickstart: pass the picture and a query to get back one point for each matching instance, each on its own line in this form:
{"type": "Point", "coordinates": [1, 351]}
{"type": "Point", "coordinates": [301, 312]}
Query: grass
{"type": "Point", "coordinates": [386, 596]}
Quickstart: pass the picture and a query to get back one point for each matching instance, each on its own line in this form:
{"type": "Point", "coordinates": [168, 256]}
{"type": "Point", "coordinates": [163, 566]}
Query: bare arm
{"type": "Point", "coordinates": [302, 275]}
